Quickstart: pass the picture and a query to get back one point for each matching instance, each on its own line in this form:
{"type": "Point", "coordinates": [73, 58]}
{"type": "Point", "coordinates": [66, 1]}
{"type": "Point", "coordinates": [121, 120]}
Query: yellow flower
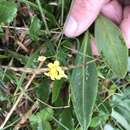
{"type": "Point", "coordinates": [55, 71]}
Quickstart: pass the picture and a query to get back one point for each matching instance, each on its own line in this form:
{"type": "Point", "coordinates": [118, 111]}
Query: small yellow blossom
{"type": "Point", "coordinates": [41, 58]}
{"type": "Point", "coordinates": [55, 71]}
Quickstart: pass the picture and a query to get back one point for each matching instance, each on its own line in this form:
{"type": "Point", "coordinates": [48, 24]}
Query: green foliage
{"type": "Point", "coordinates": [42, 90]}
{"type": "Point", "coordinates": [83, 85]}
{"type": "Point", "coordinates": [99, 119]}
{"type": "Point", "coordinates": [8, 11]}
{"type": "Point", "coordinates": [112, 46]}
{"type": "Point", "coordinates": [40, 121]}
{"type": "Point", "coordinates": [121, 107]}
{"type": "Point", "coordinates": [34, 28]}
{"type": "Point", "coordinates": [57, 85]}
{"type": "Point", "coordinates": [66, 119]}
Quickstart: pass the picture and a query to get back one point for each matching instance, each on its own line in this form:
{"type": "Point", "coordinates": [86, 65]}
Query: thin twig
{"type": "Point", "coordinates": [52, 107]}
{"type": "Point", "coordinates": [16, 28]}
{"type": "Point", "coordinates": [19, 99]}
{"type": "Point", "coordinates": [53, 31]}
{"type": "Point", "coordinates": [22, 46]}
{"type": "Point", "coordinates": [26, 70]}
{"type": "Point", "coordinates": [42, 70]}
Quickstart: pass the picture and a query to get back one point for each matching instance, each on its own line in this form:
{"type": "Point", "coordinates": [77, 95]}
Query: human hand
{"type": "Point", "coordinates": [84, 12]}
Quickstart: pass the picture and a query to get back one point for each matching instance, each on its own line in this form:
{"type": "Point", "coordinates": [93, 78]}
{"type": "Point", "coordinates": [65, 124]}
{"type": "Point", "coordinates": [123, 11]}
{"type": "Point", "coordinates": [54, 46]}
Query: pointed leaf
{"type": "Point", "coordinates": [120, 119]}
{"type": "Point", "coordinates": [57, 85]}
{"type": "Point", "coordinates": [66, 119]}
{"type": "Point", "coordinates": [83, 85]}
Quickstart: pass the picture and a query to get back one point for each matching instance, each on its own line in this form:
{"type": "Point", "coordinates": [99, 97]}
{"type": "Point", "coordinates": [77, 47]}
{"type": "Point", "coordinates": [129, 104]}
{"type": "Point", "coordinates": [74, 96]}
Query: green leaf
{"type": "Point", "coordinates": [121, 107]}
{"type": "Point", "coordinates": [56, 89]}
{"type": "Point", "coordinates": [34, 28]}
{"type": "Point", "coordinates": [66, 119]}
{"type": "Point", "coordinates": [46, 114]}
{"type": "Point", "coordinates": [99, 119]}
{"type": "Point", "coordinates": [83, 85]}
{"type": "Point", "coordinates": [129, 64]}
{"type": "Point", "coordinates": [40, 121]}
{"type": "Point", "coordinates": [8, 11]}
{"type": "Point", "coordinates": [42, 91]}
{"type": "Point", "coordinates": [39, 124]}
{"type": "Point", "coordinates": [120, 119]}
{"type": "Point", "coordinates": [111, 44]}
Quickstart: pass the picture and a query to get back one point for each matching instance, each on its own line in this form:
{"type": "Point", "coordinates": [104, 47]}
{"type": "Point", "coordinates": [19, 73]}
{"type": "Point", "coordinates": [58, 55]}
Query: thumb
{"type": "Point", "coordinates": [82, 14]}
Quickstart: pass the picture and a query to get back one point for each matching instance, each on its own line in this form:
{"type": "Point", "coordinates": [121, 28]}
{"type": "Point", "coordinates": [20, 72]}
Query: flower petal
{"type": "Point", "coordinates": [56, 63]}
{"type": "Point", "coordinates": [50, 65]}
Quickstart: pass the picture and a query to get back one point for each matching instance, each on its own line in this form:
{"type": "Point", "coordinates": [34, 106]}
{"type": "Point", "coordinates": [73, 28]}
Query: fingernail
{"type": "Point", "coordinates": [70, 26]}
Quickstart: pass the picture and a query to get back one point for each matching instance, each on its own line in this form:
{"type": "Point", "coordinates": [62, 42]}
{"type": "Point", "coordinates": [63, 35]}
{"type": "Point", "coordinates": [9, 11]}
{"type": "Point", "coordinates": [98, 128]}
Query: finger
{"type": "Point", "coordinates": [113, 10]}
{"type": "Point", "coordinates": [82, 14]}
{"type": "Point", "coordinates": [125, 25]}
{"type": "Point", "coordinates": [125, 2]}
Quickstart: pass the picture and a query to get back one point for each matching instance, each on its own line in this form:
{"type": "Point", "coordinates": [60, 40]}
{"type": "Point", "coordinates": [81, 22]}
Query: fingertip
{"type": "Point", "coordinates": [70, 27]}
{"type": "Point", "coordinates": [81, 15]}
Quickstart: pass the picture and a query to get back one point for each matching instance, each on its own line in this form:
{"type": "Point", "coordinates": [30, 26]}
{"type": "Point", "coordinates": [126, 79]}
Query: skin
{"type": "Point", "coordinates": [81, 15]}
{"type": "Point", "coordinates": [84, 12]}
{"type": "Point", "coordinates": [113, 10]}
{"type": "Point", "coordinates": [125, 2]}
{"type": "Point", "coordinates": [125, 25]}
